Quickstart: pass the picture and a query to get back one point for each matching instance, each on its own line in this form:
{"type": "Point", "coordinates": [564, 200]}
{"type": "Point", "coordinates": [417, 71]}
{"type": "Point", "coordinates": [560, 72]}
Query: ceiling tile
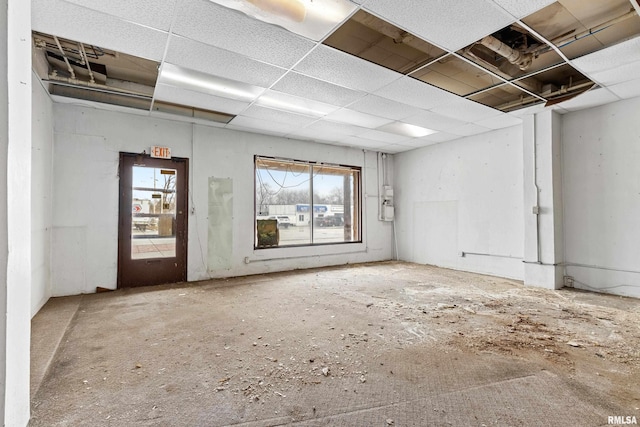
{"type": "Point", "coordinates": [520, 9]}
{"type": "Point", "coordinates": [87, 26]}
{"type": "Point", "coordinates": [152, 13]}
{"type": "Point", "coordinates": [209, 59]}
{"type": "Point", "coordinates": [383, 107]}
{"type": "Point", "coordinates": [242, 123]}
{"type": "Point", "coordinates": [611, 57]}
{"type": "Point", "coordinates": [269, 114]}
{"type": "Point", "coordinates": [198, 99]}
{"type": "Point", "coordinates": [414, 92]}
{"type": "Point", "coordinates": [465, 110]}
{"type": "Point", "coordinates": [317, 135]}
{"type": "Point", "coordinates": [468, 130]}
{"type": "Point", "coordinates": [396, 148]}
{"type": "Point", "coordinates": [626, 90]}
{"type": "Point", "coordinates": [419, 143]}
{"type": "Point", "coordinates": [618, 74]}
{"type": "Point", "coordinates": [218, 26]}
{"type": "Point", "coordinates": [331, 65]}
{"type": "Point", "coordinates": [308, 87]}
{"type": "Point", "coordinates": [449, 24]}
{"type": "Point", "coordinates": [390, 138]}
{"type": "Point", "coordinates": [440, 137]}
{"type": "Point", "coordinates": [339, 128]}
{"type": "Point", "coordinates": [357, 118]}
{"type": "Point", "coordinates": [358, 141]}
{"type": "Point", "coordinates": [589, 99]}
{"type": "Point", "coordinates": [501, 121]}
{"type": "Point", "coordinates": [434, 121]}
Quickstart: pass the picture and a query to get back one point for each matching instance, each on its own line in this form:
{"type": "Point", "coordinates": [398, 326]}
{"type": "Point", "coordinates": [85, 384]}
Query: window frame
{"type": "Point", "coordinates": [357, 207]}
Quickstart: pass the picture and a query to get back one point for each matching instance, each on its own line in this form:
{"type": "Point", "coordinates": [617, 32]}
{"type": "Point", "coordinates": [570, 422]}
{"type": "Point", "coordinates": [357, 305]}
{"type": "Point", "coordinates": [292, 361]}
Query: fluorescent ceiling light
{"type": "Point", "coordinates": [294, 104]}
{"type": "Point", "coordinates": [356, 118]}
{"type": "Point", "coordinates": [406, 129]}
{"type": "Point", "coordinates": [313, 19]}
{"type": "Point", "coordinates": [206, 83]}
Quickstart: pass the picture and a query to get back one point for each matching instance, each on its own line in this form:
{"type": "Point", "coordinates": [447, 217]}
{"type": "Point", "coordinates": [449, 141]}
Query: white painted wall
{"type": "Point", "coordinates": [543, 233]}
{"type": "Point", "coordinates": [87, 143]}
{"type": "Point", "coordinates": [463, 196]}
{"type": "Point", "coordinates": [4, 225]}
{"type": "Point", "coordinates": [41, 190]}
{"type": "Point", "coordinates": [15, 202]}
{"type": "Point", "coordinates": [601, 187]}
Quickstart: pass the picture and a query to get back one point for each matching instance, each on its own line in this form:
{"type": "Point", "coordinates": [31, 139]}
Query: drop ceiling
{"type": "Point", "coordinates": [388, 75]}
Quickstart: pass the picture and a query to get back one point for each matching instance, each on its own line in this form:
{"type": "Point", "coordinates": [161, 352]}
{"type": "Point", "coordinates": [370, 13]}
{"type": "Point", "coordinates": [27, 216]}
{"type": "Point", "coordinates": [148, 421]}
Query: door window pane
{"type": "Point", "coordinates": [153, 213]}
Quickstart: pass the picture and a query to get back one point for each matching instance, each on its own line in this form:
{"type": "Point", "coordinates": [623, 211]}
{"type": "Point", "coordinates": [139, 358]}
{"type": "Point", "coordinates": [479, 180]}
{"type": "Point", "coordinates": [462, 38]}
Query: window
{"type": "Point", "coordinates": [305, 203]}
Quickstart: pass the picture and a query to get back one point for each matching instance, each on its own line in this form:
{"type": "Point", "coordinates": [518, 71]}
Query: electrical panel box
{"type": "Point", "coordinates": [387, 212]}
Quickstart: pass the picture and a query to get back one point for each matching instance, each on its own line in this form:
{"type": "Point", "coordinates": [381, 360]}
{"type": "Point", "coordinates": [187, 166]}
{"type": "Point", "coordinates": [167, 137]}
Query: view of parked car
{"type": "Point", "coordinates": [283, 221]}
{"type": "Point", "coordinates": [328, 221]}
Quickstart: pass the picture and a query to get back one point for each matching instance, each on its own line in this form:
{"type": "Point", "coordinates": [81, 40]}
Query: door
{"type": "Point", "coordinates": [152, 236]}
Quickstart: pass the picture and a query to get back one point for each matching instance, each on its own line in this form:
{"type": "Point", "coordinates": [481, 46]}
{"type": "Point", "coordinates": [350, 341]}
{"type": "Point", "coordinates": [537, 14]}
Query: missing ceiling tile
{"type": "Point", "coordinates": [505, 98]}
{"type": "Point", "coordinates": [89, 72]}
{"type": "Point", "coordinates": [370, 38]}
{"type": "Point", "coordinates": [581, 27]}
{"type": "Point", "coordinates": [511, 52]}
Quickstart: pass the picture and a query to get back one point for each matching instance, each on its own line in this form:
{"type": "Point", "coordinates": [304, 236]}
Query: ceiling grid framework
{"type": "Point", "coordinates": [218, 63]}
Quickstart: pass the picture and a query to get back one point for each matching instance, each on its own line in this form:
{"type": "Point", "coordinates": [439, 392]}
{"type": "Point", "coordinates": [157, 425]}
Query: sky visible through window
{"type": "Point", "coordinates": [279, 179]}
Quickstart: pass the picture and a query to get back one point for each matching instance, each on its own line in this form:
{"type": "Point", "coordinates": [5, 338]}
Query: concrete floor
{"type": "Point", "coordinates": [365, 345]}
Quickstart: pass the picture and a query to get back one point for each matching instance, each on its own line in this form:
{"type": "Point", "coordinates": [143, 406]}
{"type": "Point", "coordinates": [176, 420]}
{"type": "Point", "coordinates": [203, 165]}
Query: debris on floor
{"type": "Point", "coordinates": [434, 338]}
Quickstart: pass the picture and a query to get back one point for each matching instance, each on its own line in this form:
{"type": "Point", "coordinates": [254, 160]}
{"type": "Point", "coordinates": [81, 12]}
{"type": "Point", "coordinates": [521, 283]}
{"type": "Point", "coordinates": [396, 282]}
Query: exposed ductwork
{"type": "Point", "coordinates": [516, 57]}
{"type": "Point", "coordinates": [64, 56]}
{"type": "Point", "coordinates": [85, 61]}
{"type": "Point", "coordinates": [564, 40]}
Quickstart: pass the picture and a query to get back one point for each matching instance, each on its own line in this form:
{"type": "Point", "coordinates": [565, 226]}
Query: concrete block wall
{"type": "Point", "coordinates": [463, 196]}
{"type": "Point", "coordinates": [601, 197]}
{"type": "Point", "coordinates": [41, 194]}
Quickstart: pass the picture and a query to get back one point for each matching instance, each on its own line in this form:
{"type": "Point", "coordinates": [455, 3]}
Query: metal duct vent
{"type": "Point", "coordinates": [520, 65]}
{"type": "Point", "coordinates": [82, 71]}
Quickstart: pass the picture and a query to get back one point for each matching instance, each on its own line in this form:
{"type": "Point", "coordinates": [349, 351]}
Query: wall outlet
{"type": "Point", "coordinates": [568, 281]}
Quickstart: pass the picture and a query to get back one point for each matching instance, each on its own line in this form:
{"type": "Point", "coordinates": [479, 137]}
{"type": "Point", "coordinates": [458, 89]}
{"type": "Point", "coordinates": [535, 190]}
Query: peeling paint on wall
{"type": "Point", "coordinates": [220, 237]}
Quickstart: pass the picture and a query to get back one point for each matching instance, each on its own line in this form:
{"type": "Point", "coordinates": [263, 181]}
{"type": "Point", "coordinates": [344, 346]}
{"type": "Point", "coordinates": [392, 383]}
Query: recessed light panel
{"type": "Point", "coordinates": [382, 43]}
{"type": "Point", "coordinates": [206, 83]}
{"type": "Point", "coordinates": [295, 104]}
{"type": "Point", "coordinates": [405, 129]}
{"type": "Point", "coordinates": [313, 19]}
{"type": "Point", "coordinates": [581, 27]}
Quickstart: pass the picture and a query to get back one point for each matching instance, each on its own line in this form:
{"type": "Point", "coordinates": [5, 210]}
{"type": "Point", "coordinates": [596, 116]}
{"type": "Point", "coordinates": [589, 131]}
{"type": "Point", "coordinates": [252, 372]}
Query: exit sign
{"type": "Point", "coordinates": [161, 152]}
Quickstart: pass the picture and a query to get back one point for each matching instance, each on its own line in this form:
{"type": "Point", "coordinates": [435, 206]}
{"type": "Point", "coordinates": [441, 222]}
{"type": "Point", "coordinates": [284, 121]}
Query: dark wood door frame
{"type": "Point", "coordinates": [152, 271]}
